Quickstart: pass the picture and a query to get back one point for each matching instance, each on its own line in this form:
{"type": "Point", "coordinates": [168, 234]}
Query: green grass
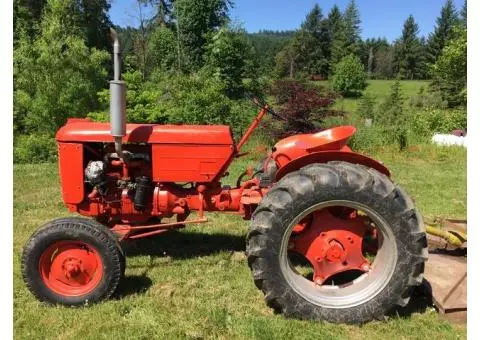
{"type": "Point", "coordinates": [196, 284]}
{"type": "Point", "coordinates": [380, 89]}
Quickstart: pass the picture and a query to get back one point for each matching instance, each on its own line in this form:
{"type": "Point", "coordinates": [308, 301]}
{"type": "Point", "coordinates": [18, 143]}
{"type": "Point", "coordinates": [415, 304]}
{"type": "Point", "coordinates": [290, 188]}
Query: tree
{"type": "Point", "coordinates": [267, 45]}
{"type": "Point", "coordinates": [345, 32]}
{"type": "Point", "coordinates": [368, 50]}
{"type": "Point", "coordinates": [26, 16]}
{"type": "Point", "coordinates": [463, 14]}
{"type": "Point", "coordinates": [352, 23]}
{"type": "Point", "coordinates": [317, 39]}
{"type": "Point", "coordinates": [443, 30]}
{"type": "Point", "coordinates": [350, 77]}
{"type": "Point", "coordinates": [384, 60]}
{"type": "Point", "coordinates": [230, 59]}
{"type": "Point", "coordinates": [409, 54]}
{"type": "Point", "coordinates": [393, 116]}
{"type": "Point", "coordinates": [196, 22]}
{"type": "Point", "coordinates": [336, 36]}
{"type": "Point", "coordinates": [161, 50]}
{"type": "Point", "coordinates": [294, 56]}
{"type": "Point", "coordinates": [450, 70]}
{"type": "Point", "coordinates": [56, 75]}
{"type": "Point", "coordinates": [92, 17]}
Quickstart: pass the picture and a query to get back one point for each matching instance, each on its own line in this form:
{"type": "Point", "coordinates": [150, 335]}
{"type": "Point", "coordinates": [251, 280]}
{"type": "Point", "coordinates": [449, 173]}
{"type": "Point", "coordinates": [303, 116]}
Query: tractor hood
{"type": "Point", "coordinates": [85, 130]}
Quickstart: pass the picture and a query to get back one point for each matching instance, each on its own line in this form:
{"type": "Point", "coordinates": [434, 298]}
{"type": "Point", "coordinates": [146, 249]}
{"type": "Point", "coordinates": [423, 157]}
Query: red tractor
{"type": "Point", "coordinates": [331, 236]}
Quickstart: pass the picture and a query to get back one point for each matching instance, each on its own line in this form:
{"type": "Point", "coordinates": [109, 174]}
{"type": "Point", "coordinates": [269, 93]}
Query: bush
{"type": "Point", "coordinates": [349, 76]}
{"type": "Point", "coordinates": [450, 70]}
{"type": "Point", "coordinates": [429, 121]}
{"type": "Point", "coordinates": [427, 99]}
{"type": "Point", "coordinates": [304, 108]}
{"type": "Point", "coordinates": [180, 99]}
{"type": "Point", "coordinates": [34, 149]}
{"type": "Point", "coordinates": [366, 107]}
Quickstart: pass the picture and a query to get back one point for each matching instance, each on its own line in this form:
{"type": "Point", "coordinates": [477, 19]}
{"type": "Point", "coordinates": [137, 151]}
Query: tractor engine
{"type": "Point", "coordinates": [164, 170]}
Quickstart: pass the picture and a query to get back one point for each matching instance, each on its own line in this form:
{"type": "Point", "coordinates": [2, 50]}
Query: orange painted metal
{"type": "Point", "coordinates": [252, 127]}
{"type": "Point", "coordinates": [70, 163]}
{"type": "Point", "coordinates": [294, 152]}
{"type": "Point", "coordinates": [71, 268]}
{"type": "Point", "coordinates": [332, 245]}
{"type": "Point", "coordinates": [84, 130]}
{"type": "Point", "coordinates": [184, 164]}
{"type": "Point", "coordinates": [327, 156]}
{"type": "Point", "coordinates": [296, 146]}
{"type": "Point", "coordinates": [190, 163]}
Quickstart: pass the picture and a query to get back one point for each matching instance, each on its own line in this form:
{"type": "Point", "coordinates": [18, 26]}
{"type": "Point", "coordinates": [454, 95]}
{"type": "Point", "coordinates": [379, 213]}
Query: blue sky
{"type": "Point", "coordinates": [380, 18]}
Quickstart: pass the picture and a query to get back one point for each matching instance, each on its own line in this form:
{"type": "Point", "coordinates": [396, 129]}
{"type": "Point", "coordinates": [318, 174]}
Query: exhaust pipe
{"type": "Point", "coordinates": [117, 99]}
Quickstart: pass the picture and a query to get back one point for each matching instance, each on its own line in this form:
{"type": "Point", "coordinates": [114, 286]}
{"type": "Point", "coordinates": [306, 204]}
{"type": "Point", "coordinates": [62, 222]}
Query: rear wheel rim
{"type": "Point", "coordinates": [71, 268]}
{"type": "Point", "coordinates": [327, 258]}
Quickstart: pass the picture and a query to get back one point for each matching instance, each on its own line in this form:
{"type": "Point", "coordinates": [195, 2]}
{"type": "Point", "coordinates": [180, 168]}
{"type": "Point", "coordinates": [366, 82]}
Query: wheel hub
{"type": "Point", "coordinates": [71, 268]}
{"type": "Point", "coordinates": [331, 244]}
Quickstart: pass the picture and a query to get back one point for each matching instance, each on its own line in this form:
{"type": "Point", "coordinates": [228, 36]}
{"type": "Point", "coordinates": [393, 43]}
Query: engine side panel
{"type": "Point", "coordinates": [189, 163]}
{"type": "Point", "coordinates": [71, 167]}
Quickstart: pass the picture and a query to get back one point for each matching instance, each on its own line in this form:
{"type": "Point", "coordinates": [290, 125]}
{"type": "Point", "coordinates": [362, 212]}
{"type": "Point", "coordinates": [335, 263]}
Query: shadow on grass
{"type": "Point", "coordinates": [419, 302]}
{"type": "Point", "coordinates": [133, 284]}
{"type": "Point", "coordinates": [184, 244]}
{"type": "Point", "coordinates": [175, 244]}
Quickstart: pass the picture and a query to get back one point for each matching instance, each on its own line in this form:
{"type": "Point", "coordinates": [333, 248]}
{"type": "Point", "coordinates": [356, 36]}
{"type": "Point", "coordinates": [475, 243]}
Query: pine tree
{"type": "Point", "coordinates": [313, 20]}
{"type": "Point", "coordinates": [336, 35]}
{"type": "Point", "coordinates": [443, 31]}
{"type": "Point", "coordinates": [344, 32]}
{"type": "Point", "coordinates": [463, 14]}
{"type": "Point", "coordinates": [318, 40]}
{"type": "Point", "coordinates": [352, 23]}
{"type": "Point", "coordinates": [409, 56]}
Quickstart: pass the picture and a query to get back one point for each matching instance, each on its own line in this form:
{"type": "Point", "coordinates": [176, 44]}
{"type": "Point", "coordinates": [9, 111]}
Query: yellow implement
{"type": "Point", "coordinates": [447, 233]}
{"type": "Point", "coordinates": [446, 268]}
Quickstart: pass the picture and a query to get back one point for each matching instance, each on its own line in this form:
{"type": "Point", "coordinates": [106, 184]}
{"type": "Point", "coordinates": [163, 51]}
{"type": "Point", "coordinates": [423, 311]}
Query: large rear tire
{"type": "Point", "coordinates": [72, 261]}
{"type": "Point", "coordinates": [297, 215]}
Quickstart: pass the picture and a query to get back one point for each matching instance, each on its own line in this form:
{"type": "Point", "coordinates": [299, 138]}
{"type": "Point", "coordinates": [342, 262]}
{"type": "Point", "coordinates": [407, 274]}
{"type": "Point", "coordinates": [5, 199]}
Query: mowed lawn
{"type": "Point", "coordinates": [195, 283]}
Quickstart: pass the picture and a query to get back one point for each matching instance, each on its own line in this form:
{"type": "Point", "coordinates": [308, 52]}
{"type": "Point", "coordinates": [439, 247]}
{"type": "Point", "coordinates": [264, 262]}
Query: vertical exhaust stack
{"type": "Point", "coordinates": [117, 99]}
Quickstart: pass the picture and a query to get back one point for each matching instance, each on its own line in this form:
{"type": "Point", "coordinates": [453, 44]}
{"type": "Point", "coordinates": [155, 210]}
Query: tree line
{"type": "Point", "coordinates": [188, 62]}
{"type": "Point", "coordinates": [323, 40]}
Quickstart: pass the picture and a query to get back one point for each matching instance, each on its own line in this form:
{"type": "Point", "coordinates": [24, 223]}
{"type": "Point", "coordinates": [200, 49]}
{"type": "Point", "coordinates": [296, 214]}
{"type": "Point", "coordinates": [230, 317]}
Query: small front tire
{"type": "Point", "coordinates": [72, 261]}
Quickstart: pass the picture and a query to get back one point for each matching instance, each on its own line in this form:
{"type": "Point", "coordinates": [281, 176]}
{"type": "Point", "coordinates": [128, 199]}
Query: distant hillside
{"type": "Point", "coordinates": [267, 44]}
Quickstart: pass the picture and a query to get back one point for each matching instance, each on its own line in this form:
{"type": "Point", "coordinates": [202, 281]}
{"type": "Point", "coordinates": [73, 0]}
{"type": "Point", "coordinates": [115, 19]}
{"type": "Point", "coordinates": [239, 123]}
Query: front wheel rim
{"type": "Point", "coordinates": [71, 268]}
{"type": "Point", "coordinates": [360, 290]}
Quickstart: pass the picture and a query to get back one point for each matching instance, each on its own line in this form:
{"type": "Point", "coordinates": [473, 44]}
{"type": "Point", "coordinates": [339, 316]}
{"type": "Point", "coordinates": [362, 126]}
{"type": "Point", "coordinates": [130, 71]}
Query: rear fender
{"type": "Point", "coordinates": [328, 156]}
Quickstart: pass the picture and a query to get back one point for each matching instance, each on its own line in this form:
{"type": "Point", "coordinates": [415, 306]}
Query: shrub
{"type": "Point", "coordinates": [179, 99]}
{"type": "Point", "coordinates": [349, 76]}
{"type": "Point", "coordinates": [304, 108]}
{"type": "Point", "coordinates": [429, 121]}
{"type": "Point", "coordinates": [392, 117]}
{"type": "Point", "coordinates": [427, 99]}
{"type": "Point", "coordinates": [366, 107]}
{"type": "Point", "coordinates": [34, 149]}
{"type": "Point", "coordinates": [450, 70]}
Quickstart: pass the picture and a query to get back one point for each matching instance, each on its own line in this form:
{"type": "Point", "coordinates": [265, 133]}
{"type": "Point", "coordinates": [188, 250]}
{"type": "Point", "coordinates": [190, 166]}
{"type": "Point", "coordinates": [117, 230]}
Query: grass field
{"type": "Point", "coordinates": [195, 283]}
{"type": "Point", "coordinates": [380, 90]}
